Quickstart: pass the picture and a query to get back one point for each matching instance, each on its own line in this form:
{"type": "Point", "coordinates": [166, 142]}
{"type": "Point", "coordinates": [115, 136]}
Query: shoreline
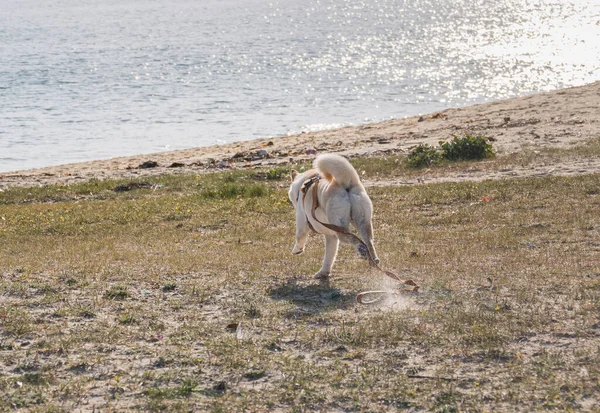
{"type": "Point", "coordinates": [555, 119]}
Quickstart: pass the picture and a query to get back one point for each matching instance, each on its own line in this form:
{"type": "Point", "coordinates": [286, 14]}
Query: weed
{"type": "Point", "coordinates": [253, 312]}
{"type": "Point", "coordinates": [15, 322]}
{"type": "Point", "coordinates": [275, 174]}
{"type": "Point", "coordinates": [35, 379]}
{"type": "Point", "coordinates": [469, 147]}
{"type": "Point", "coordinates": [128, 318]}
{"type": "Point", "coordinates": [71, 282]}
{"type": "Point", "coordinates": [422, 156]}
{"type": "Point", "coordinates": [85, 312]}
{"type": "Point", "coordinates": [169, 286]}
{"type": "Point", "coordinates": [116, 292]}
{"type": "Point", "coordinates": [446, 403]}
{"type": "Point", "coordinates": [185, 389]}
{"type": "Point", "coordinates": [255, 375]}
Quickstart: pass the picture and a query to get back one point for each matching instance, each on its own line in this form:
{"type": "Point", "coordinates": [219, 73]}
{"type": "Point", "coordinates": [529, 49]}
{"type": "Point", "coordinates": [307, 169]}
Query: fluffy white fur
{"type": "Point", "coordinates": [342, 200]}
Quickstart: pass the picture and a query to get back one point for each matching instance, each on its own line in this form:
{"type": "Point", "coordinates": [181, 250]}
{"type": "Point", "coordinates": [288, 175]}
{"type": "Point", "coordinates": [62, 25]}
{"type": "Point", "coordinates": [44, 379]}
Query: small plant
{"type": "Point", "coordinates": [71, 281]}
{"type": "Point", "coordinates": [15, 322]}
{"type": "Point", "coordinates": [469, 147]}
{"type": "Point", "coordinates": [185, 389]}
{"type": "Point", "coordinates": [255, 374]}
{"type": "Point", "coordinates": [85, 312]}
{"type": "Point", "coordinates": [252, 311]}
{"type": "Point", "coordinates": [446, 403]}
{"type": "Point", "coordinates": [116, 292]}
{"type": "Point", "coordinates": [169, 286]}
{"type": "Point", "coordinates": [35, 379]}
{"type": "Point", "coordinates": [127, 318]}
{"type": "Point", "coordinates": [275, 174]}
{"type": "Point", "coordinates": [423, 155]}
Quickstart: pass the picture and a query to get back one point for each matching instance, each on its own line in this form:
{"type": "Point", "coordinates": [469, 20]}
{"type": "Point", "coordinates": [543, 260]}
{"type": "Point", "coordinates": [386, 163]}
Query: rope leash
{"type": "Point", "coordinates": [361, 298]}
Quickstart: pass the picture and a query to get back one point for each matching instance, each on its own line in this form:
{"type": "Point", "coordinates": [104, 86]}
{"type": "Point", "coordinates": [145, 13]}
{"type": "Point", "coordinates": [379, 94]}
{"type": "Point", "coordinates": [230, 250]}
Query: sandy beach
{"type": "Point", "coordinates": [556, 119]}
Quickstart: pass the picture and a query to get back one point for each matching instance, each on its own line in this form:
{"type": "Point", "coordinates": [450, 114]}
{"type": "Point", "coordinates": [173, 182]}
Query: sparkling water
{"type": "Point", "coordinates": [94, 79]}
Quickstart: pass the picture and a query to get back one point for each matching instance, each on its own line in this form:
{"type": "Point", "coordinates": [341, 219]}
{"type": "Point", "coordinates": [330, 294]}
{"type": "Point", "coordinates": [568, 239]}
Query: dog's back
{"type": "Point", "coordinates": [336, 168]}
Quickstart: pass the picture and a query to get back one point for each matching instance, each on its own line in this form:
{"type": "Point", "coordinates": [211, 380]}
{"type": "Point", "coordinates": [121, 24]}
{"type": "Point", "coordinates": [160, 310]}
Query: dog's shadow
{"type": "Point", "coordinates": [312, 296]}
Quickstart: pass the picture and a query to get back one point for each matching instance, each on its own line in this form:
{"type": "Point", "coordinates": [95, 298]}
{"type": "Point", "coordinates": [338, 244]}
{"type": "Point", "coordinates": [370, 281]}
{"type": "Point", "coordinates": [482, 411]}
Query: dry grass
{"type": "Point", "coordinates": [395, 167]}
{"type": "Point", "coordinates": [184, 296]}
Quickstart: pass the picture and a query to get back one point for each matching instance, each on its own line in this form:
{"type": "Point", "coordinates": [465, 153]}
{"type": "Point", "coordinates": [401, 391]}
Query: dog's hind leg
{"type": "Point", "coordinates": [331, 248]}
{"type": "Point", "coordinates": [362, 215]}
{"type": "Point", "coordinates": [338, 214]}
{"type": "Point", "coordinates": [365, 229]}
{"type": "Point", "coordinates": [348, 238]}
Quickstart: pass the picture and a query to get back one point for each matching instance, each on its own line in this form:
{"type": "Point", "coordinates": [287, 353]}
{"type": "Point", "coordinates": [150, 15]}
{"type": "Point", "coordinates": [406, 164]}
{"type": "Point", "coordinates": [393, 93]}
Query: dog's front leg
{"type": "Point", "coordinates": [302, 230]}
{"type": "Point", "coordinates": [331, 248]}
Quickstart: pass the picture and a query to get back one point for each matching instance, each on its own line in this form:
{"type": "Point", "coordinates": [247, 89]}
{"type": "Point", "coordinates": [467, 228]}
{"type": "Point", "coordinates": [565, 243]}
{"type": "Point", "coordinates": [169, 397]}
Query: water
{"type": "Point", "coordinates": [94, 79]}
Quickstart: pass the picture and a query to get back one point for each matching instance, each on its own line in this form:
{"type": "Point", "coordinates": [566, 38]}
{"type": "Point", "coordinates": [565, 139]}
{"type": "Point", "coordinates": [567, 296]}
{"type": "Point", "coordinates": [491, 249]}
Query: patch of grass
{"type": "Point", "coordinates": [117, 292]}
{"type": "Point", "coordinates": [234, 190]}
{"type": "Point", "coordinates": [255, 375]}
{"type": "Point", "coordinates": [274, 174]}
{"type": "Point", "coordinates": [30, 397]}
{"type": "Point", "coordinates": [34, 379]}
{"type": "Point", "coordinates": [71, 281]}
{"type": "Point", "coordinates": [185, 389]}
{"type": "Point", "coordinates": [84, 311]}
{"type": "Point", "coordinates": [464, 343]}
{"type": "Point", "coordinates": [169, 286]}
{"type": "Point", "coordinates": [277, 174]}
{"type": "Point", "coordinates": [446, 403]}
{"type": "Point", "coordinates": [16, 322]}
{"type": "Point", "coordinates": [128, 318]}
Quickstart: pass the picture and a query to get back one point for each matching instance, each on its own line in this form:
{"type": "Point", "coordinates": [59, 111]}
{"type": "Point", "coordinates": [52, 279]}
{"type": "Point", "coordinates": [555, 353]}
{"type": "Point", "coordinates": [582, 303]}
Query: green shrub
{"type": "Point", "coordinates": [467, 148]}
{"type": "Point", "coordinates": [423, 155]}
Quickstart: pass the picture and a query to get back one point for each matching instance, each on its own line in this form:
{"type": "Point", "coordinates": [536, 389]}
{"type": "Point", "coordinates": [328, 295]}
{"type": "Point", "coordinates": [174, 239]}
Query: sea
{"type": "Point", "coordinates": [94, 79]}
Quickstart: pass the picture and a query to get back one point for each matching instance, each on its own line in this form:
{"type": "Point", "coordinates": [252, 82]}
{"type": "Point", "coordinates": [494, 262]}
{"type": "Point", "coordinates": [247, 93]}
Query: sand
{"type": "Point", "coordinates": [556, 119]}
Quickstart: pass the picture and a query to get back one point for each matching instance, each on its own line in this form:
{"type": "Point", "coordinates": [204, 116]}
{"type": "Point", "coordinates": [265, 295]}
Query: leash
{"type": "Point", "coordinates": [361, 298]}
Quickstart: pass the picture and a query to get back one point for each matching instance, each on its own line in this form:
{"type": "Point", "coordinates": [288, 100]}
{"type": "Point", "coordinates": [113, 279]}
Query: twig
{"type": "Point", "coordinates": [420, 376]}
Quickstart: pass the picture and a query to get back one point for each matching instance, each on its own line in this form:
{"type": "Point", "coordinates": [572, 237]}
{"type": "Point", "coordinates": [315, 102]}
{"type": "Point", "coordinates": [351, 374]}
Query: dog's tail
{"type": "Point", "coordinates": [336, 167]}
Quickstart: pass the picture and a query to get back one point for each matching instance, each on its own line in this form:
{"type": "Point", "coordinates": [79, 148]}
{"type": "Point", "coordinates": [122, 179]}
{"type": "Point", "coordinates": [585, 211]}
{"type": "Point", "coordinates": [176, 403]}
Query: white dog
{"type": "Point", "coordinates": [341, 200]}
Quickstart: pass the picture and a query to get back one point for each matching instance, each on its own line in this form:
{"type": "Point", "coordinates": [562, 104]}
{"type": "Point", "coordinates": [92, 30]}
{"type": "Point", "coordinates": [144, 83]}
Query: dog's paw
{"type": "Point", "coordinates": [321, 275]}
{"type": "Point", "coordinates": [296, 250]}
{"type": "Point", "coordinates": [363, 252]}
